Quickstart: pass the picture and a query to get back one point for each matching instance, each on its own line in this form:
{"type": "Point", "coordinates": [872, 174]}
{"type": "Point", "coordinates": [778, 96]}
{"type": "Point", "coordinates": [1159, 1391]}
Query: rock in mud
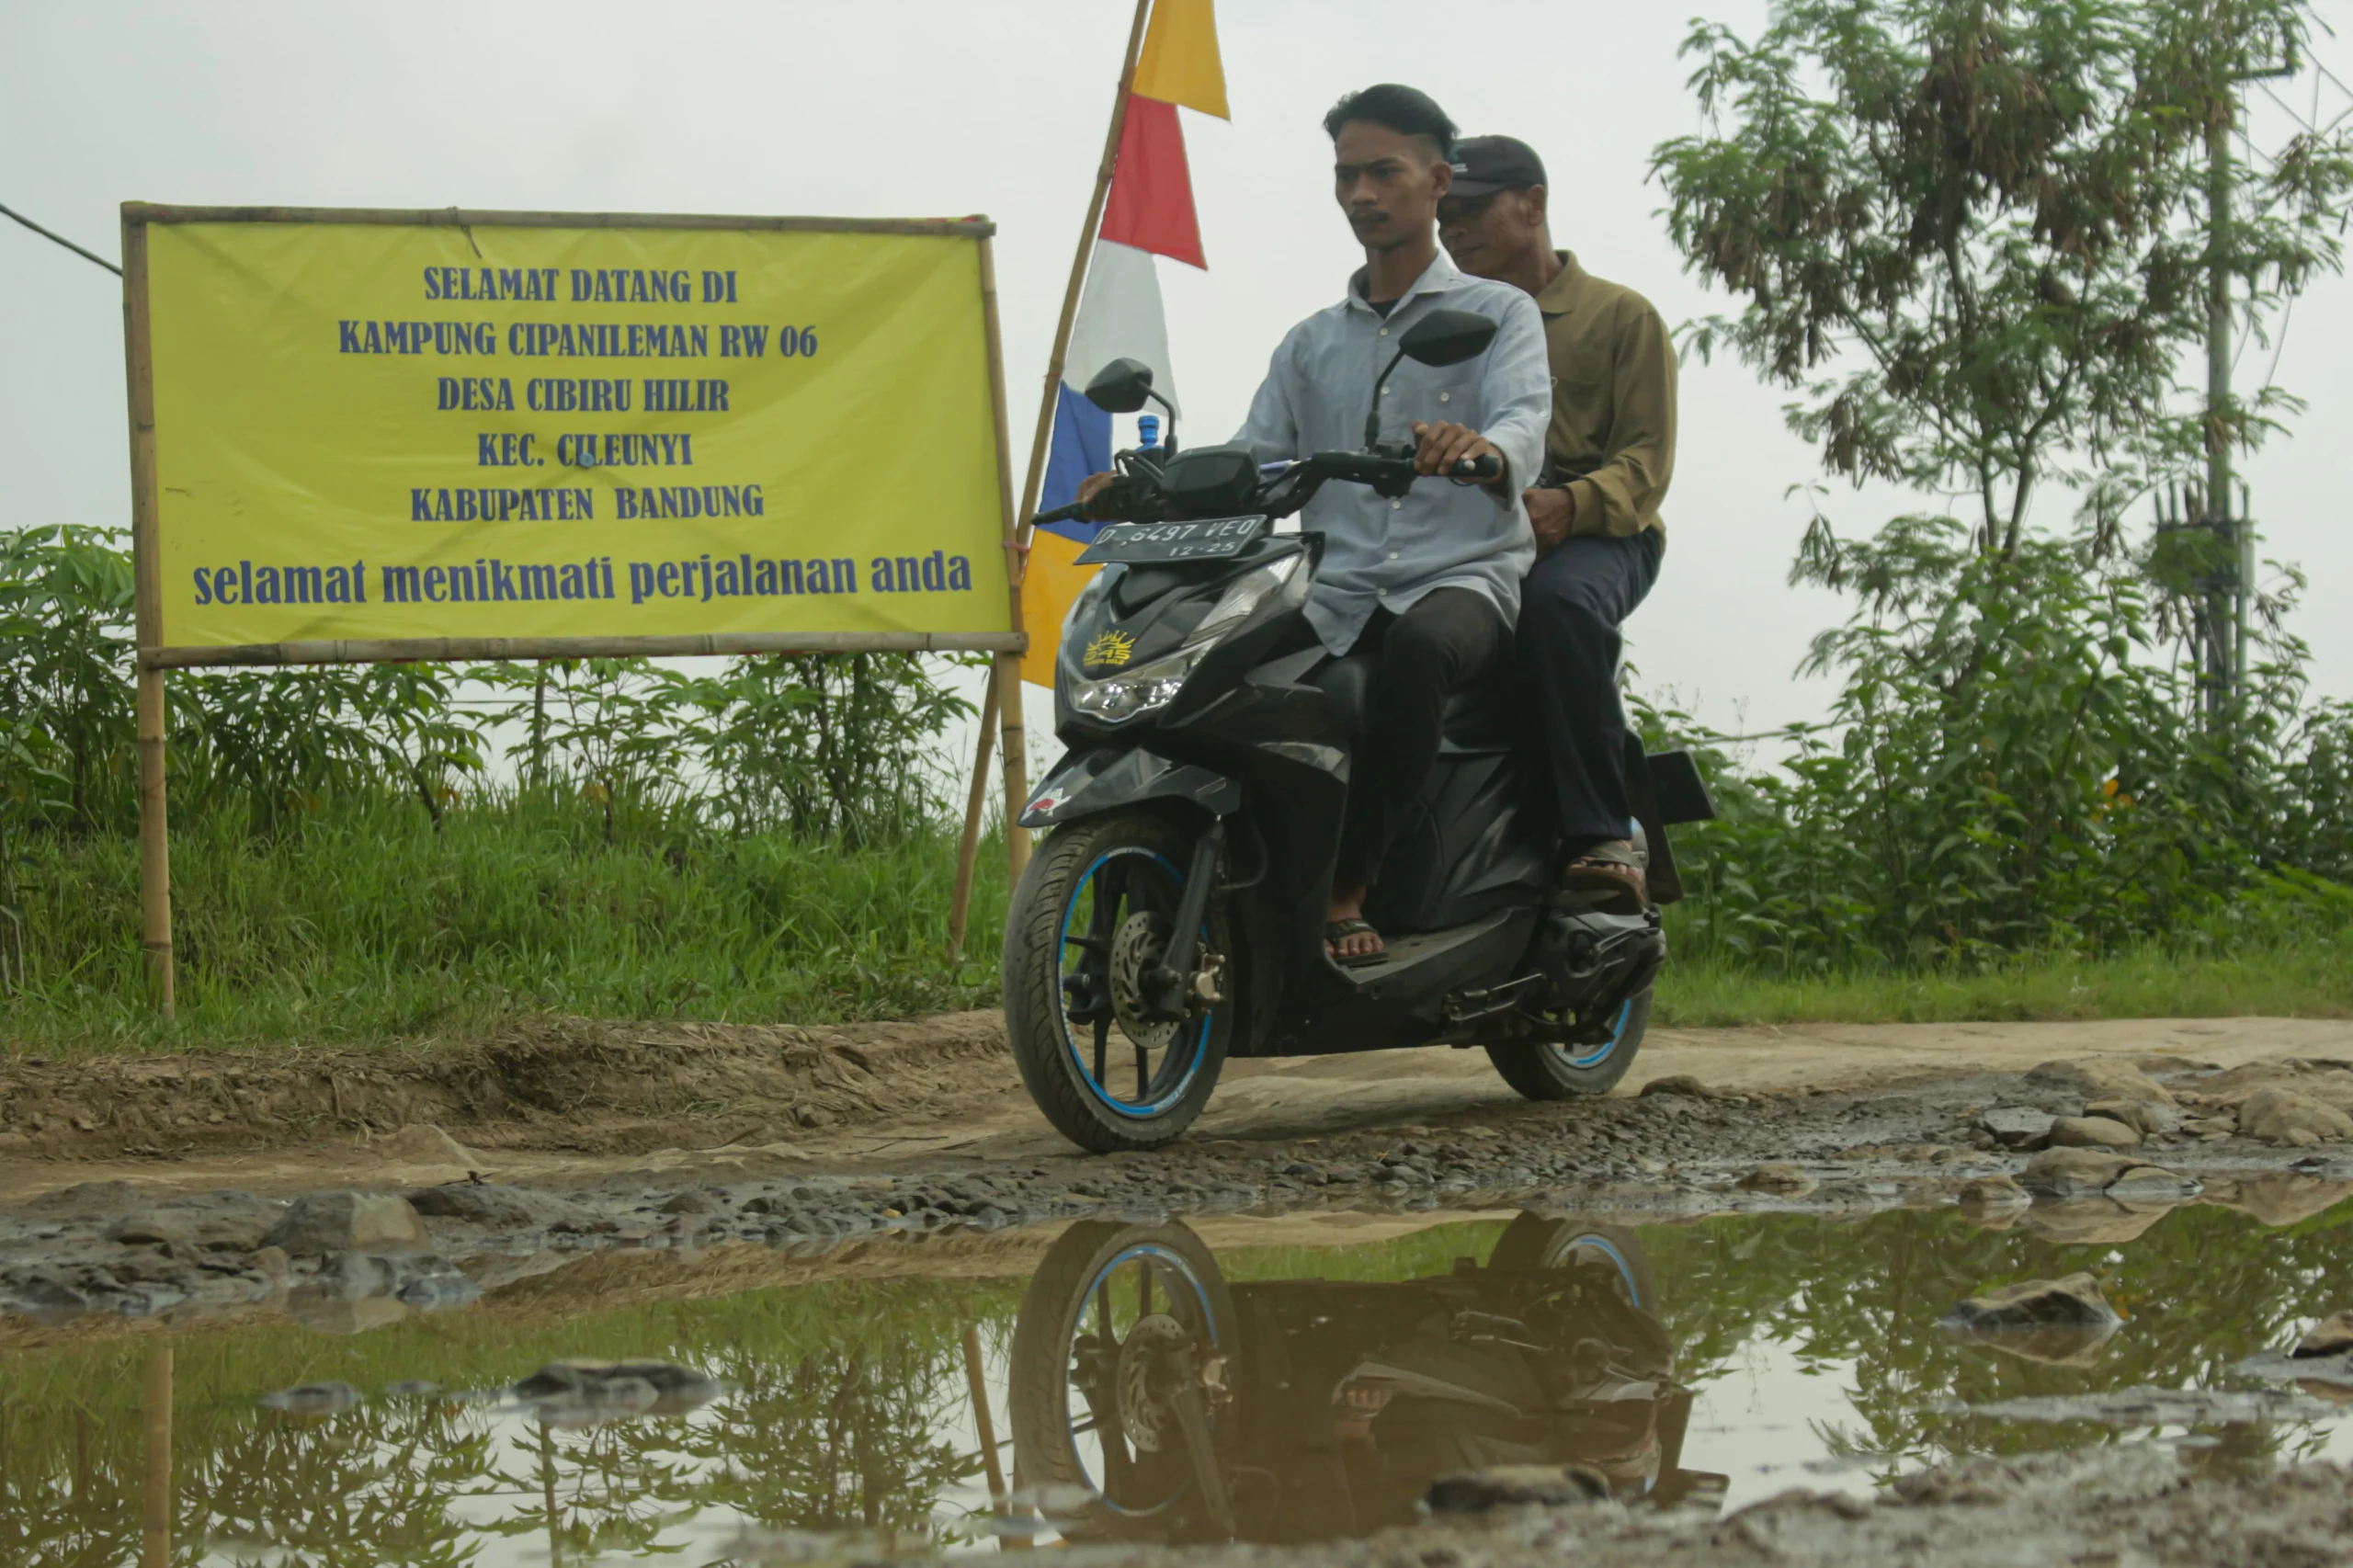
{"type": "Point", "coordinates": [496, 1206]}
{"type": "Point", "coordinates": [2331, 1336]}
{"type": "Point", "coordinates": [584, 1392]}
{"type": "Point", "coordinates": [311, 1398]}
{"type": "Point", "coordinates": [350, 1222]}
{"type": "Point", "coordinates": [2279, 1199]}
{"type": "Point", "coordinates": [2074, 1300]}
{"type": "Point", "coordinates": [2093, 1221]}
{"type": "Point", "coordinates": [1679, 1083]}
{"type": "Point", "coordinates": [2073, 1173]}
{"type": "Point", "coordinates": [2099, 1078]}
{"type": "Point", "coordinates": [219, 1221]}
{"type": "Point", "coordinates": [1508, 1486]}
{"type": "Point", "coordinates": [1995, 1192]}
{"type": "Point", "coordinates": [2152, 1184]}
{"type": "Point", "coordinates": [2063, 1322]}
{"type": "Point", "coordinates": [2018, 1126]}
{"type": "Point", "coordinates": [2092, 1132]}
{"type": "Point", "coordinates": [2147, 1117]}
{"type": "Point", "coordinates": [1790, 1181]}
{"type": "Point", "coordinates": [2284, 1117]}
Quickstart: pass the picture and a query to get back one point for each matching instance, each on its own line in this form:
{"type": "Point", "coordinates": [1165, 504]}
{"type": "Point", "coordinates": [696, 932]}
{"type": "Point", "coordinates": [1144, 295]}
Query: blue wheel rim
{"type": "Point", "coordinates": [1590, 1241]}
{"type": "Point", "coordinates": [1595, 1055]}
{"type": "Point", "coordinates": [1167, 1266]}
{"type": "Point", "coordinates": [1149, 1104]}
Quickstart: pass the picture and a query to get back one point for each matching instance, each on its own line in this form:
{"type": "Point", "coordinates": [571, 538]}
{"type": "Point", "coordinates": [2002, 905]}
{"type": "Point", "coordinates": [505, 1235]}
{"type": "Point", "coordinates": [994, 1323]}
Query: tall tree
{"type": "Point", "coordinates": [1973, 237]}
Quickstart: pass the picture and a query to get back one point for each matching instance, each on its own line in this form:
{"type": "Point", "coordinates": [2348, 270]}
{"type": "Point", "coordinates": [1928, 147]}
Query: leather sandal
{"type": "Point", "coordinates": [1610, 874]}
{"type": "Point", "coordinates": [1336, 930]}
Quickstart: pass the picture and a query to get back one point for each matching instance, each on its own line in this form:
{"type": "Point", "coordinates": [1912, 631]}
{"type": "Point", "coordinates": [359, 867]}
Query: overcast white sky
{"type": "Point", "coordinates": [949, 106]}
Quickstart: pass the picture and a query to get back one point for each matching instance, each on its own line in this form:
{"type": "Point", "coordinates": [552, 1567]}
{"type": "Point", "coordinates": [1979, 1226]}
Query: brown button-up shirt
{"type": "Point", "coordinates": [1611, 441]}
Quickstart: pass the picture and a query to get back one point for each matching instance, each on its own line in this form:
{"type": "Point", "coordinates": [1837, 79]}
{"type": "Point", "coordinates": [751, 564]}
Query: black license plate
{"type": "Point", "coordinates": [1206, 538]}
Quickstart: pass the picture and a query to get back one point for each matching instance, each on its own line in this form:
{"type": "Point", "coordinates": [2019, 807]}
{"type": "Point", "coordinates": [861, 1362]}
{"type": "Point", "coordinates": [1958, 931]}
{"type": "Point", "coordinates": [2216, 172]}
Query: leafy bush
{"type": "Point", "coordinates": [2012, 765]}
{"type": "Point", "coordinates": [643, 802]}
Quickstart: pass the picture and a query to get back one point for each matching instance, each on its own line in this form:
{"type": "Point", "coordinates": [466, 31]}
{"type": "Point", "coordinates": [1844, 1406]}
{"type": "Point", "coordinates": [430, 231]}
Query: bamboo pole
{"type": "Point", "coordinates": [975, 803]}
{"type": "Point", "coordinates": [1008, 666]}
{"type": "Point", "coordinates": [468, 218]}
{"type": "Point", "coordinates": [1017, 524]}
{"type": "Point", "coordinates": [976, 1383]}
{"type": "Point", "coordinates": [362, 651]}
{"type": "Point", "coordinates": [154, 835]}
{"type": "Point", "coordinates": [156, 1548]}
{"type": "Point", "coordinates": [1041, 440]}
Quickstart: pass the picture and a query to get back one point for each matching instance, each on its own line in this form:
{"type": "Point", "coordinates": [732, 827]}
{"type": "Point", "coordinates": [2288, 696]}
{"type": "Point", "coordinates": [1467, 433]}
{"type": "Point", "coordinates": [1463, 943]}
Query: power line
{"type": "Point", "coordinates": [61, 240]}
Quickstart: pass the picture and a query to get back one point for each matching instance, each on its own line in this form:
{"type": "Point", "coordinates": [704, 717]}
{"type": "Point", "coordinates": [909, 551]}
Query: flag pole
{"type": "Point", "coordinates": [1005, 677]}
{"type": "Point", "coordinates": [1042, 439]}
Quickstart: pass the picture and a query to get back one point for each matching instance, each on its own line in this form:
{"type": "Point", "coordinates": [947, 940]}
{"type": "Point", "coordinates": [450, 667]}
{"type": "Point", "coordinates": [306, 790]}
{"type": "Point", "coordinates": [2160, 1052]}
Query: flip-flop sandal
{"type": "Point", "coordinates": [1609, 871]}
{"type": "Point", "coordinates": [1336, 930]}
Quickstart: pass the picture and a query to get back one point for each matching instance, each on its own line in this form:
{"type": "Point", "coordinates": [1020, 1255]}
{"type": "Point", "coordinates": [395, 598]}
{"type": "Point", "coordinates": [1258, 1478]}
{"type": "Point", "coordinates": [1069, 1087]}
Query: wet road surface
{"type": "Point", "coordinates": [1149, 1380]}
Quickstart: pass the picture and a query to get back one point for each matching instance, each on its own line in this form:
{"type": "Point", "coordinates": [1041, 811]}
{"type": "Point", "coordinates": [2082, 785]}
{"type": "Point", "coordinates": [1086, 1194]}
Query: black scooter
{"type": "Point", "coordinates": [1152, 1400]}
{"type": "Point", "coordinates": [1174, 915]}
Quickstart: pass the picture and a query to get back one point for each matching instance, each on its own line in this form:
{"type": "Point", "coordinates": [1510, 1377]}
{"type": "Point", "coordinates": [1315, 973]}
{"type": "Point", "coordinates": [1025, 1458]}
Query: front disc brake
{"type": "Point", "coordinates": [1137, 949]}
{"type": "Point", "coordinates": [1144, 1414]}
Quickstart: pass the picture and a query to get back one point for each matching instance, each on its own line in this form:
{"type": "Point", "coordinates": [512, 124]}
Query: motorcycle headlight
{"type": "Point", "coordinates": [1156, 685]}
{"type": "Point", "coordinates": [1141, 689]}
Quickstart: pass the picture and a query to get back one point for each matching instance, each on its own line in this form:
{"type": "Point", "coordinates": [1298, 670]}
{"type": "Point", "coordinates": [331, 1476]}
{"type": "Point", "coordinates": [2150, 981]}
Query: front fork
{"type": "Point", "coordinates": [1173, 990]}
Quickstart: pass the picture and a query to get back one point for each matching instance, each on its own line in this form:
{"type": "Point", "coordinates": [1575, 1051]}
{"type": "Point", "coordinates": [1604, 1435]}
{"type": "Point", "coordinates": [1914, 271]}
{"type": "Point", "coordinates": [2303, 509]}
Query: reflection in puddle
{"type": "Point", "coordinates": [1136, 1382]}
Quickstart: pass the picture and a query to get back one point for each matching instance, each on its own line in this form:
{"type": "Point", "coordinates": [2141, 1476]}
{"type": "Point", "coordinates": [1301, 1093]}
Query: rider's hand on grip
{"type": "Point", "coordinates": [1486, 466]}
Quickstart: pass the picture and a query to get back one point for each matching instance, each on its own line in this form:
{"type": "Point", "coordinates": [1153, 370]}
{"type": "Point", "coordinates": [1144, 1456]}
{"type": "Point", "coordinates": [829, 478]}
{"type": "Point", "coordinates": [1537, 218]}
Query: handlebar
{"type": "Point", "coordinates": [1387, 469]}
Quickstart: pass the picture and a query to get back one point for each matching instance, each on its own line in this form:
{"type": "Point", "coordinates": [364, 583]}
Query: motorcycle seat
{"type": "Point", "coordinates": [1482, 719]}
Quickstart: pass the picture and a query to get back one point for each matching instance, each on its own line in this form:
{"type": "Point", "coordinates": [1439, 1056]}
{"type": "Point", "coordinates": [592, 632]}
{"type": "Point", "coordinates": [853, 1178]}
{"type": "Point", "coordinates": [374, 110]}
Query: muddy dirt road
{"type": "Point", "coordinates": [569, 1099]}
{"type": "Point", "coordinates": [1794, 1213]}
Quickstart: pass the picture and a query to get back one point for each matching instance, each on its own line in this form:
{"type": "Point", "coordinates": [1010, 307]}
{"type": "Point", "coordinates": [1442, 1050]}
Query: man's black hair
{"type": "Point", "coordinates": [1408, 111]}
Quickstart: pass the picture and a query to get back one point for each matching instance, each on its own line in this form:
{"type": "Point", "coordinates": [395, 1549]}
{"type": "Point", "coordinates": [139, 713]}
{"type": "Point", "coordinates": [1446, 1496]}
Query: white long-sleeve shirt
{"type": "Point", "coordinates": [1382, 553]}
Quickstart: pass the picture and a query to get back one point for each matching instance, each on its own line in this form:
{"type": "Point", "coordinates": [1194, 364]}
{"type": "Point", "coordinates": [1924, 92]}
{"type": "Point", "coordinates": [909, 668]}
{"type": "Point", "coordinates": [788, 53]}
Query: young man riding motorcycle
{"type": "Point", "coordinates": [1428, 583]}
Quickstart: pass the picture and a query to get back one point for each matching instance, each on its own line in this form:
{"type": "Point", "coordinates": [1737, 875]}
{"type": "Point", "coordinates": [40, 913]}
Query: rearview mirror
{"type": "Point", "coordinates": [1122, 386]}
{"type": "Point", "coordinates": [1441, 337]}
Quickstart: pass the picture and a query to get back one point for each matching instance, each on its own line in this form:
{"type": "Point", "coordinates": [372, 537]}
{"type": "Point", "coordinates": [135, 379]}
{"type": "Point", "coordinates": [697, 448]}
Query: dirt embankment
{"type": "Point", "coordinates": [548, 1083]}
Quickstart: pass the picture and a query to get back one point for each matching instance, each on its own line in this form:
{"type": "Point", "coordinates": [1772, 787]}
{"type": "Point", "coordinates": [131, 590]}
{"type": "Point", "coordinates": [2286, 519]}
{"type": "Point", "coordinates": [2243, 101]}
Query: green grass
{"type": "Point", "coordinates": [2309, 977]}
{"type": "Point", "coordinates": [362, 924]}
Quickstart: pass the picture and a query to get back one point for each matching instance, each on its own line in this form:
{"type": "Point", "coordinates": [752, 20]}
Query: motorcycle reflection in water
{"type": "Point", "coordinates": [1302, 1409]}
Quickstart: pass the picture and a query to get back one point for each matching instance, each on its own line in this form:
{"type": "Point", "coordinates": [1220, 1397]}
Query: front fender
{"type": "Point", "coordinates": [1088, 783]}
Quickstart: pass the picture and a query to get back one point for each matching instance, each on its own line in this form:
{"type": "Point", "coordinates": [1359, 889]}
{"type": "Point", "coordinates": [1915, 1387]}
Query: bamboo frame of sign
{"type": "Point", "coordinates": [147, 615]}
{"type": "Point", "coordinates": [153, 658]}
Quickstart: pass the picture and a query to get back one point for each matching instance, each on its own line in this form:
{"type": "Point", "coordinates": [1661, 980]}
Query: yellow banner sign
{"type": "Point", "coordinates": [382, 431]}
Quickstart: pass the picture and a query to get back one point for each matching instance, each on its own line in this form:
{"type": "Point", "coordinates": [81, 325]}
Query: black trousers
{"type": "Point", "coordinates": [1449, 640]}
{"type": "Point", "coordinates": [1571, 606]}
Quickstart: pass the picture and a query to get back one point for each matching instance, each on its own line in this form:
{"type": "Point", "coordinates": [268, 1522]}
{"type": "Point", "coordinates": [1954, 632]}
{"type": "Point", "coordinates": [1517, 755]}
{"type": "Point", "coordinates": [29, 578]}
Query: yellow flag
{"type": "Point", "coordinates": [1180, 64]}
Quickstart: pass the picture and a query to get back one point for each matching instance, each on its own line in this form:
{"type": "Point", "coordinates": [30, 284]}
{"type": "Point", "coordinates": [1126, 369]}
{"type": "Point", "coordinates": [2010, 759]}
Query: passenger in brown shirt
{"type": "Point", "coordinates": [1609, 453]}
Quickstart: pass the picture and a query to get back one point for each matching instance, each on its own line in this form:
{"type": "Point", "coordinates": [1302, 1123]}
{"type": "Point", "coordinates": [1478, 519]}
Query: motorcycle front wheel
{"type": "Point", "coordinates": [1547, 1071]}
{"type": "Point", "coordinates": [1092, 914]}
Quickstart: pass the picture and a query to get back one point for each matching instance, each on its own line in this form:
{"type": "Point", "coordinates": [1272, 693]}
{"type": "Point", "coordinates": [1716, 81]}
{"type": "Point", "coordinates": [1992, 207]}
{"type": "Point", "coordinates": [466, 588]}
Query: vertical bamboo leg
{"type": "Point", "coordinates": [156, 1549]}
{"type": "Point", "coordinates": [975, 803]}
{"type": "Point", "coordinates": [154, 843]}
{"type": "Point", "coordinates": [976, 1382]}
{"type": "Point", "coordinates": [1017, 764]}
{"type": "Point", "coordinates": [1008, 666]}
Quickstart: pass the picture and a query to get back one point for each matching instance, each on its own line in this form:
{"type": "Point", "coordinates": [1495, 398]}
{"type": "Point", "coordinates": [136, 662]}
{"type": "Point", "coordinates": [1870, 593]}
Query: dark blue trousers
{"type": "Point", "coordinates": [1568, 644]}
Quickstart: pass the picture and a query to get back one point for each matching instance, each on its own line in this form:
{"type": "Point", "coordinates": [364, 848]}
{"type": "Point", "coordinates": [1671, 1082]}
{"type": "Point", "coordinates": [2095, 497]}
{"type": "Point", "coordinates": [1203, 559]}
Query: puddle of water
{"type": "Point", "coordinates": [1137, 1382]}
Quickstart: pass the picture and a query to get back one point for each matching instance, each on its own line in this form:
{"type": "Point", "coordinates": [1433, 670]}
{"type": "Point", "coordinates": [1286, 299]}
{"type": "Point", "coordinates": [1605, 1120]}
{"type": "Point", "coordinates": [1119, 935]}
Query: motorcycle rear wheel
{"type": "Point", "coordinates": [1545, 1072]}
{"type": "Point", "coordinates": [1078, 901]}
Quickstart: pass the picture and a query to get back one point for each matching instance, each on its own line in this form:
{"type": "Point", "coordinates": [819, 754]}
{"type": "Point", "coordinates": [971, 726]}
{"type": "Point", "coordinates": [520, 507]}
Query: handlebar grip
{"type": "Point", "coordinates": [1060, 514]}
{"type": "Point", "coordinates": [1487, 467]}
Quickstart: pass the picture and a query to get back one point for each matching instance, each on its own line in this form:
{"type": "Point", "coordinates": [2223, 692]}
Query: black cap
{"type": "Point", "coordinates": [1485, 164]}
